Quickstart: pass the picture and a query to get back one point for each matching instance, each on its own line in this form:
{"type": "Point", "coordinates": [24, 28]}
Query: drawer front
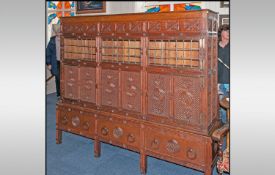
{"type": "Point", "coordinates": [76, 121]}
{"type": "Point", "coordinates": [178, 146]}
{"type": "Point", "coordinates": [120, 132]}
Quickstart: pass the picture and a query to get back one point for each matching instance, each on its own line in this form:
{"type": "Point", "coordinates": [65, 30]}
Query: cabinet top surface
{"type": "Point", "coordinates": [138, 16]}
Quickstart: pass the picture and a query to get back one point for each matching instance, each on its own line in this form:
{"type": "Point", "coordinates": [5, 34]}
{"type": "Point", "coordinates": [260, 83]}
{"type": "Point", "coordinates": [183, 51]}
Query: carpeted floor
{"type": "Point", "coordinates": [75, 156]}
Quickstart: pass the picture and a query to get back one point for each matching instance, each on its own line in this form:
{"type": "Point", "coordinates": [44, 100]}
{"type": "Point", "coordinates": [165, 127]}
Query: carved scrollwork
{"type": "Point", "coordinates": [172, 146]}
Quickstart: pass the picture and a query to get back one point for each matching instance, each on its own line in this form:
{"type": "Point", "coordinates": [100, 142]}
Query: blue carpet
{"type": "Point", "coordinates": [75, 156]}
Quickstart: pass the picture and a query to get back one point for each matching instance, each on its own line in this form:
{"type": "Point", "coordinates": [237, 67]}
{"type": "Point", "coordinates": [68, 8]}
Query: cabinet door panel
{"type": "Point", "coordinates": [110, 92]}
{"type": "Point", "coordinates": [187, 99]}
{"type": "Point", "coordinates": [87, 84]}
{"type": "Point", "coordinates": [131, 93]}
{"type": "Point", "coordinates": [158, 94]}
{"type": "Point", "coordinates": [71, 82]}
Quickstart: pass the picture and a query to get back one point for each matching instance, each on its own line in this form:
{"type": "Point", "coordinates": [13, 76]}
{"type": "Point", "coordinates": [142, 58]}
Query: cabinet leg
{"type": "Point", "coordinates": [97, 148]}
{"type": "Point", "coordinates": [143, 163]}
{"type": "Point", "coordinates": [208, 171]}
{"type": "Point", "coordinates": [58, 136]}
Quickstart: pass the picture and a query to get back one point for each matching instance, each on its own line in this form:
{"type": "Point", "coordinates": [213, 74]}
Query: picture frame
{"type": "Point", "coordinates": [224, 4]}
{"type": "Point", "coordinates": [83, 7]}
{"type": "Point", "coordinates": [223, 19]}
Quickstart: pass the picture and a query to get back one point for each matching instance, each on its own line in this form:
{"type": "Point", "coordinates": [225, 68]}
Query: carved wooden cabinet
{"type": "Point", "coordinates": [144, 82]}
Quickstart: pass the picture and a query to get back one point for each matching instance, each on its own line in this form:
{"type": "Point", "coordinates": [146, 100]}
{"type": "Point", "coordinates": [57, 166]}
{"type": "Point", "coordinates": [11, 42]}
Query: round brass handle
{"type": "Point", "coordinates": [155, 144]}
{"type": "Point", "coordinates": [75, 121]}
{"type": "Point", "coordinates": [104, 131]}
{"type": "Point", "coordinates": [64, 120]}
{"type": "Point", "coordinates": [191, 154]}
{"type": "Point", "coordinates": [117, 132]}
{"type": "Point", "coordinates": [131, 138]}
{"type": "Point", "coordinates": [86, 125]}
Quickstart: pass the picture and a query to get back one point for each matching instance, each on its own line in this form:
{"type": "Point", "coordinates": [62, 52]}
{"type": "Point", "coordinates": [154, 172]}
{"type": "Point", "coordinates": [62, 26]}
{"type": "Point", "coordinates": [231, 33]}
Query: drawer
{"type": "Point", "coordinates": [119, 132]}
{"type": "Point", "coordinates": [176, 146]}
{"type": "Point", "coordinates": [76, 121]}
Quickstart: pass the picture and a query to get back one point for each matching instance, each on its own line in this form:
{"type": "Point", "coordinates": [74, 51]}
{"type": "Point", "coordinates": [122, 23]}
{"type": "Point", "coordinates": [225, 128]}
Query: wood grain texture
{"type": "Point", "coordinates": [143, 82]}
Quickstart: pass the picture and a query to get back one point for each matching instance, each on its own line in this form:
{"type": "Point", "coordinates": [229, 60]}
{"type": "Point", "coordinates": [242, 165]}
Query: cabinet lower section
{"type": "Point", "coordinates": [149, 139]}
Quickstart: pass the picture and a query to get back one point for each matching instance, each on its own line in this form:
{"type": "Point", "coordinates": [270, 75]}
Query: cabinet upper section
{"type": "Point", "coordinates": [167, 24]}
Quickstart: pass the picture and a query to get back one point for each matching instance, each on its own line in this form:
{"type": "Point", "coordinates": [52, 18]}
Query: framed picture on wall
{"type": "Point", "coordinates": [224, 4]}
{"type": "Point", "coordinates": [83, 7]}
{"type": "Point", "coordinates": [223, 19]}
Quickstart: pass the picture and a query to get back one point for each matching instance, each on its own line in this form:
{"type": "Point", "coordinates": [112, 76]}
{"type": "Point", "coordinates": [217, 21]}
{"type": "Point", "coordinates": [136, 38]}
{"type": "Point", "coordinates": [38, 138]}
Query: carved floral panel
{"type": "Point", "coordinates": [131, 94]}
{"type": "Point", "coordinates": [158, 94]}
{"type": "Point", "coordinates": [187, 99]}
{"type": "Point", "coordinates": [71, 82]}
{"type": "Point", "coordinates": [109, 79]}
{"type": "Point", "coordinates": [87, 84]}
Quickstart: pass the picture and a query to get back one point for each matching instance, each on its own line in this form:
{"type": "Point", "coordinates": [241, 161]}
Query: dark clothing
{"type": "Point", "coordinates": [52, 60]}
{"type": "Point", "coordinates": [57, 80]}
{"type": "Point", "coordinates": [223, 72]}
{"type": "Point", "coordinates": [51, 56]}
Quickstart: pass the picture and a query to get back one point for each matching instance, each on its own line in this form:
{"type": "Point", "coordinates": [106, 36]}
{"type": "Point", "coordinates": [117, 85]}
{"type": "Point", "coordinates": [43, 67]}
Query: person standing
{"type": "Point", "coordinates": [53, 56]}
{"type": "Point", "coordinates": [223, 64]}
